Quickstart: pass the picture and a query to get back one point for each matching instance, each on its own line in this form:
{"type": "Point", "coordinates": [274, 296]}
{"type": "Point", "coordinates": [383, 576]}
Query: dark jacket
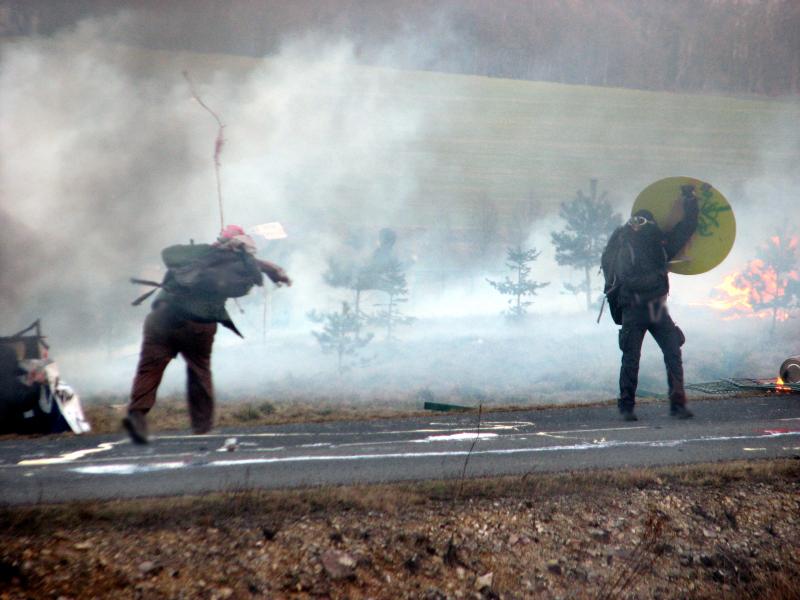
{"type": "Point", "coordinates": [188, 289]}
{"type": "Point", "coordinates": [642, 258]}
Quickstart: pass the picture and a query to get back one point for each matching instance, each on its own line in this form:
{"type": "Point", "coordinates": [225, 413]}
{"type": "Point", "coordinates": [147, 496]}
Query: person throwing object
{"type": "Point", "coordinates": [184, 317]}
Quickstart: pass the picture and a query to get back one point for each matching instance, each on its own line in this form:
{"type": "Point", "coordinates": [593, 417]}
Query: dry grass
{"type": "Point", "coordinates": [171, 413]}
{"type": "Point", "coordinates": [703, 531]}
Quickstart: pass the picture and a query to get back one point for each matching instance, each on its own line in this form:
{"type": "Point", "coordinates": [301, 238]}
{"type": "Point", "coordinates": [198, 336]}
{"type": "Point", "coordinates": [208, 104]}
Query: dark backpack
{"type": "Point", "coordinates": [617, 259]}
{"type": "Point", "coordinates": [634, 266]}
{"type": "Point", "coordinates": [207, 271]}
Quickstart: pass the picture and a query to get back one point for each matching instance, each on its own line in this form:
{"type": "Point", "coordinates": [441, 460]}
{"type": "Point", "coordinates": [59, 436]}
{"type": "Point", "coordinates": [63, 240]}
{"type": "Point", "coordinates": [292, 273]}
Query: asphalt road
{"type": "Point", "coordinates": [436, 447]}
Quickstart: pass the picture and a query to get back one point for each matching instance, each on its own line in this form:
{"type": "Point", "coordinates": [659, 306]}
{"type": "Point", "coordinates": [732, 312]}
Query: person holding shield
{"type": "Point", "coordinates": [635, 264]}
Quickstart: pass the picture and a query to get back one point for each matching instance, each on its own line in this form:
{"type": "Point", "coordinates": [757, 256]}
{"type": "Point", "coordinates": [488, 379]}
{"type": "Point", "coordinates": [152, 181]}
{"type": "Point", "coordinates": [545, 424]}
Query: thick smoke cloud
{"type": "Point", "coordinates": [107, 159]}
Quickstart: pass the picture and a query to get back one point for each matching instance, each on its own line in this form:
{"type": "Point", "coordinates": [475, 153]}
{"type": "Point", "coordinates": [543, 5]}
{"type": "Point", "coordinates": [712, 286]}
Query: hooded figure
{"type": "Point", "coordinates": [199, 280]}
{"type": "Point", "coordinates": [637, 255]}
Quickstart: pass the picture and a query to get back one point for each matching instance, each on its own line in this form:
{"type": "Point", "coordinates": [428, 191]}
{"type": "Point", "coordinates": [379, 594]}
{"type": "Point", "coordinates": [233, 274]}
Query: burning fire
{"type": "Point", "coordinates": [758, 290]}
{"type": "Point", "coordinates": [780, 386]}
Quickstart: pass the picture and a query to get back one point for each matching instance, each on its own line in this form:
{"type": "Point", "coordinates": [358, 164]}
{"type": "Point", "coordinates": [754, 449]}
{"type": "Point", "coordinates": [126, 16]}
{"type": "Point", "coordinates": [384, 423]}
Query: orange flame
{"type": "Point", "coordinates": [756, 290]}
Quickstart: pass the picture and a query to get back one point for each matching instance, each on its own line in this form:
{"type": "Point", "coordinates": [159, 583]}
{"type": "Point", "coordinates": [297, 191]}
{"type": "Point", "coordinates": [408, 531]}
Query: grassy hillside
{"type": "Point", "coordinates": [509, 141]}
{"type": "Point", "coordinates": [476, 139]}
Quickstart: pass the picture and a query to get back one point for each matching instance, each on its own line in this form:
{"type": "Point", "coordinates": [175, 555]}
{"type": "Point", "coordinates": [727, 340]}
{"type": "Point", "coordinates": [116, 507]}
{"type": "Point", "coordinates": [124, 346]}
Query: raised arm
{"type": "Point", "coordinates": [685, 228]}
{"type": "Point", "coordinates": [277, 275]}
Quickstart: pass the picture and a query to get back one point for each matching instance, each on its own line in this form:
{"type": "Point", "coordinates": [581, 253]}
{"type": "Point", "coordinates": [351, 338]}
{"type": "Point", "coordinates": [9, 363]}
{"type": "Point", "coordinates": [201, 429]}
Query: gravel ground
{"type": "Point", "coordinates": [714, 531]}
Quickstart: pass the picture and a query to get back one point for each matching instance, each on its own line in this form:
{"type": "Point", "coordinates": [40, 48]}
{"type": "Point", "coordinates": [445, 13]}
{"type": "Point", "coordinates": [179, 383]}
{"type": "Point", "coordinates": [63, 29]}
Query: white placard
{"type": "Point", "coordinates": [271, 231]}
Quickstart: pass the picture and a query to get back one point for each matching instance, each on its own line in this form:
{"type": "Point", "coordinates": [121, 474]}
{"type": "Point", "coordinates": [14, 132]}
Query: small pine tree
{"type": "Point", "coordinates": [518, 260]}
{"type": "Point", "coordinates": [340, 335]}
{"type": "Point", "coordinates": [590, 221]}
{"type": "Point", "coordinates": [359, 273]}
{"type": "Point", "coordinates": [391, 280]}
{"type": "Point", "coordinates": [350, 275]}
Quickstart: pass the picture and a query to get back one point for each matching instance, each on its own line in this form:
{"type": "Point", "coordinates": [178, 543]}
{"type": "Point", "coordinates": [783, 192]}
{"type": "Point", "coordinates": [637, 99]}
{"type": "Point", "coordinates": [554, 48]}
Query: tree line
{"type": "Point", "coordinates": [729, 46]}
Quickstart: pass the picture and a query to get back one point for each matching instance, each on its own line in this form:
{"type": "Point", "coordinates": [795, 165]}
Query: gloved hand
{"type": "Point", "coordinates": [277, 275]}
{"type": "Point", "coordinates": [690, 204]}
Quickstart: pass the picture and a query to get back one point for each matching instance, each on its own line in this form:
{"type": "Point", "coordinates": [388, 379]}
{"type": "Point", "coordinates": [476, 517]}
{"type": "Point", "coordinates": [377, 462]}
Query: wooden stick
{"type": "Point", "coordinates": [218, 144]}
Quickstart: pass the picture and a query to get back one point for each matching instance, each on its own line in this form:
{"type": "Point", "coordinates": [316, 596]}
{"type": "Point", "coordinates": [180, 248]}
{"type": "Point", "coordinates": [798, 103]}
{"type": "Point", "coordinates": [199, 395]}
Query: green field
{"type": "Point", "coordinates": [477, 138]}
{"type": "Point", "coordinates": [551, 138]}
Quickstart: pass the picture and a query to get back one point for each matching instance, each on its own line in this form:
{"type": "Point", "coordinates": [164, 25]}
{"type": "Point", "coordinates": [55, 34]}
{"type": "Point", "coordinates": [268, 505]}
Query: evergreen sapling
{"type": "Point", "coordinates": [520, 286]}
{"type": "Point", "coordinates": [590, 221]}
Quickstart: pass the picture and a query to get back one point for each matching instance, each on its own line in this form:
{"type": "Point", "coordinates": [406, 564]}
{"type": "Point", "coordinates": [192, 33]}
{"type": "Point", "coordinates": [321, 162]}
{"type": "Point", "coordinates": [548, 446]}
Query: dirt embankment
{"type": "Point", "coordinates": [714, 531]}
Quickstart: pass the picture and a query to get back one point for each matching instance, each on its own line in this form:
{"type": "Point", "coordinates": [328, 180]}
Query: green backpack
{"type": "Point", "coordinates": [206, 271]}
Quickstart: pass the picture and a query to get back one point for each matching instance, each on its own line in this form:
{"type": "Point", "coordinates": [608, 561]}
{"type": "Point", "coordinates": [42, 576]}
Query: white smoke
{"type": "Point", "coordinates": [107, 159]}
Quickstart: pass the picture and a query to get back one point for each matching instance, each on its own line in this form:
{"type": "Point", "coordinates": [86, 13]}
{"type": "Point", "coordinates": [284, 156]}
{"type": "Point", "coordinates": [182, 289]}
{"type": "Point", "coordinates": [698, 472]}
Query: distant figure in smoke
{"type": "Point", "coordinates": [379, 261]}
{"type": "Point", "coordinates": [199, 279]}
{"type": "Point", "coordinates": [384, 253]}
{"type": "Point", "coordinates": [635, 267]}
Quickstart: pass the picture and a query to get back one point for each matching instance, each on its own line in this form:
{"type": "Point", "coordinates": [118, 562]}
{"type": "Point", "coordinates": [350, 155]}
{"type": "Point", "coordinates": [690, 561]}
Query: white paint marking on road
{"type": "Point", "coordinates": [555, 434]}
{"type": "Point", "coordinates": [485, 426]}
{"type": "Point", "coordinates": [790, 448]}
{"type": "Point", "coordinates": [209, 436]}
{"type": "Point", "coordinates": [465, 436]}
{"type": "Point", "coordinates": [456, 437]}
{"type": "Point", "coordinates": [104, 459]}
{"type": "Point", "coordinates": [69, 456]}
{"type": "Point", "coordinates": [556, 437]}
{"type": "Point", "coordinates": [493, 424]}
{"type": "Point", "coordinates": [579, 447]}
{"type": "Point", "coordinates": [790, 419]}
{"type": "Point", "coordinates": [595, 430]}
{"type": "Point", "coordinates": [128, 469]}
{"type": "Point", "coordinates": [754, 449]}
{"type": "Point", "coordinates": [175, 455]}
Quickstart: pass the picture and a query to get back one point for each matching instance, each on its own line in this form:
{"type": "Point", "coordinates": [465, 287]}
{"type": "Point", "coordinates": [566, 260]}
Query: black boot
{"type": "Point", "coordinates": [679, 411]}
{"type": "Point", "coordinates": [136, 426]}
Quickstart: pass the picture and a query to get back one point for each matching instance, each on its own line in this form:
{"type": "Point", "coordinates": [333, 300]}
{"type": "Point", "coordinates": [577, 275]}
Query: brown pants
{"type": "Point", "coordinates": [167, 334]}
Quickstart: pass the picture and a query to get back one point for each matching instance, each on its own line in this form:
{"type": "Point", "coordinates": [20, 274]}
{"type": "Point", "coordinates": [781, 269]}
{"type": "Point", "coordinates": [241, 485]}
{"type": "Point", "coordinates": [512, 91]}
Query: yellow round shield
{"type": "Point", "coordinates": [716, 227]}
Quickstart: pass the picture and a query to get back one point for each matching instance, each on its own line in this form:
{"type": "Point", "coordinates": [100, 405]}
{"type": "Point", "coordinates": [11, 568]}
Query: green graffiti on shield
{"type": "Point", "coordinates": [708, 221]}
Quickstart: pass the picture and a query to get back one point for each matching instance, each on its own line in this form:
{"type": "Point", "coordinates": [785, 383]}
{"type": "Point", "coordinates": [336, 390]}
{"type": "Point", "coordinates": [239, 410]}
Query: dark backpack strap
{"type": "Point", "coordinates": [602, 306]}
{"type": "Point", "coordinates": [145, 282]}
{"type": "Point", "coordinates": [229, 324]}
{"type": "Point", "coordinates": [146, 295]}
{"type": "Point", "coordinates": [143, 297]}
